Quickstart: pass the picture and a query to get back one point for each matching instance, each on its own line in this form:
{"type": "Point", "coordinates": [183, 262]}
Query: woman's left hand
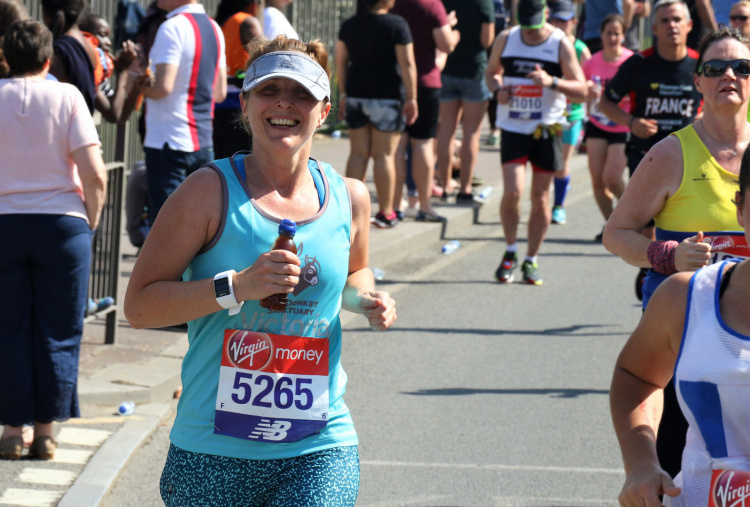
{"type": "Point", "coordinates": [379, 308]}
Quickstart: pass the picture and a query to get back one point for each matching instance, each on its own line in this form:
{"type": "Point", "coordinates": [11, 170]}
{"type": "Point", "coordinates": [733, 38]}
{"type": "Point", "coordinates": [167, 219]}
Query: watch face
{"type": "Point", "coordinates": [221, 287]}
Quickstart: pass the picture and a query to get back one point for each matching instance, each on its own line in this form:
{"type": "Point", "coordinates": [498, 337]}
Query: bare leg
{"type": "Point", "coordinates": [449, 114]}
{"type": "Point", "coordinates": [540, 216]}
{"type": "Point", "coordinates": [510, 204]}
{"type": "Point", "coordinates": [473, 114]}
{"type": "Point", "coordinates": [400, 165]}
{"type": "Point", "coordinates": [423, 168]}
{"type": "Point", "coordinates": [597, 155]}
{"type": "Point", "coordinates": [613, 169]}
{"type": "Point", "coordinates": [384, 171]}
{"type": "Point", "coordinates": [359, 152]}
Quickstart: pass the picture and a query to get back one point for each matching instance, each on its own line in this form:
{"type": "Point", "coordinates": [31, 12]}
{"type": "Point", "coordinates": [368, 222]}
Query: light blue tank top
{"type": "Point", "coordinates": [247, 231]}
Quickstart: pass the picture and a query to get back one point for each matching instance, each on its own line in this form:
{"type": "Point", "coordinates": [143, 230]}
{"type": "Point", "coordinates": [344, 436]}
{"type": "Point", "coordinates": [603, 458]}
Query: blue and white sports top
{"type": "Point", "coordinates": [712, 379]}
{"type": "Point", "coordinates": [205, 418]}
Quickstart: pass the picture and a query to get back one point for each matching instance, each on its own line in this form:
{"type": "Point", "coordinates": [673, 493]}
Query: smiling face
{"type": "Point", "coordinates": [727, 88]}
{"type": "Point", "coordinates": [282, 114]}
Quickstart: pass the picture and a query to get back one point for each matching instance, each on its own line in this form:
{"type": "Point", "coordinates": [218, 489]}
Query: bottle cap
{"type": "Point", "coordinates": [288, 227]}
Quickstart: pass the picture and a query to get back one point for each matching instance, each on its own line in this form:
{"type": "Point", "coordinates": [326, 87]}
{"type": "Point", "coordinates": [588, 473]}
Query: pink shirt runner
{"type": "Point", "coordinates": [597, 67]}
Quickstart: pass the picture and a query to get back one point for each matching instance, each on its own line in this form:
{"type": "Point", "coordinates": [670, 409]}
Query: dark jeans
{"type": "Point", "coordinates": [166, 169]}
{"type": "Point", "coordinates": [44, 272]}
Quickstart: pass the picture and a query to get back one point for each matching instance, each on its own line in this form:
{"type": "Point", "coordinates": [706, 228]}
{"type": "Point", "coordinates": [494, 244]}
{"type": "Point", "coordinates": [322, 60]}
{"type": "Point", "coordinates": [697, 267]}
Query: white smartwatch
{"type": "Point", "coordinates": [225, 292]}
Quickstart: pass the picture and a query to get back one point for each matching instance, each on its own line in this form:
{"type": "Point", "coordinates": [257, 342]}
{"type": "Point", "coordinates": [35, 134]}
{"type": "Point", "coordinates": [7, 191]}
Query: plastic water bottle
{"type": "Point", "coordinates": [485, 193]}
{"type": "Point", "coordinates": [336, 134]}
{"type": "Point", "coordinates": [451, 246]}
{"type": "Point", "coordinates": [126, 408]}
{"type": "Point", "coordinates": [598, 82]}
{"type": "Point", "coordinates": [379, 274]}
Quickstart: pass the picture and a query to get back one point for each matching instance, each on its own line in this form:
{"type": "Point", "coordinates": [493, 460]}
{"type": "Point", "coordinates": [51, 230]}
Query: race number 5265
{"type": "Point", "coordinates": [267, 391]}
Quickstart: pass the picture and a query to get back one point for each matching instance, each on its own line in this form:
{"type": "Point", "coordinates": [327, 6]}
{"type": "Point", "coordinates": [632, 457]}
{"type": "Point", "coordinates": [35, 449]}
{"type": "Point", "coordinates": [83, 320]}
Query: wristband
{"type": "Point", "coordinates": [630, 123]}
{"type": "Point", "coordinates": [661, 256]}
{"type": "Point", "coordinates": [554, 83]}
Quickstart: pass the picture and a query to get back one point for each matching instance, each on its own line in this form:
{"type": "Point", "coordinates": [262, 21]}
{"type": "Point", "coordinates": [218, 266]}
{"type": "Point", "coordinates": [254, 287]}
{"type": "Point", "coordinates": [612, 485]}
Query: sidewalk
{"type": "Point", "coordinates": [144, 365]}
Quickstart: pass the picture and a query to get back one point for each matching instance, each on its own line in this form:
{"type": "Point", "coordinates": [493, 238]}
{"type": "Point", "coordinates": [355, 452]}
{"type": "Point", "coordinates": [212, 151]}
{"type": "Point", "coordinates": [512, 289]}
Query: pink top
{"type": "Point", "coordinates": [41, 124]}
{"type": "Point", "coordinates": [596, 66]}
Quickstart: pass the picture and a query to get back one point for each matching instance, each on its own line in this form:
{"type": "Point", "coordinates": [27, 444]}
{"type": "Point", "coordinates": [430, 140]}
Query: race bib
{"type": "Point", "coordinates": [272, 388]}
{"type": "Point", "coordinates": [727, 246]}
{"type": "Point", "coordinates": [525, 102]}
{"type": "Point", "coordinates": [729, 488]}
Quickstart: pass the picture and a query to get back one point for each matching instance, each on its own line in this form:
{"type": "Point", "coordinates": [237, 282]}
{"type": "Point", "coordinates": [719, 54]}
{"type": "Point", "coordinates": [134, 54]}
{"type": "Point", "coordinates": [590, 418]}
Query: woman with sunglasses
{"type": "Point", "coordinates": [697, 329]}
{"type": "Point", "coordinates": [686, 183]}
{"type": "Point", "coordinates": [262, 419]}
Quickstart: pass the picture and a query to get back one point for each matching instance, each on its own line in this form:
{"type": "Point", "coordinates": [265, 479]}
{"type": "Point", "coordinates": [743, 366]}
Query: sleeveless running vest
{"type": "Point", "coordinates": [247, 231]}
{"type": "Point", "coordinates": [712, 379]}
{"type": "Point", "coordinates": [703, 202]}
{"type": "Point", "coordinates": [530, 105]}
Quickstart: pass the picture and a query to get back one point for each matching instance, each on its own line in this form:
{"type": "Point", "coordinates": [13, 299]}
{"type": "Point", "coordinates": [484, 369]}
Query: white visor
{"type": "Point", "coordinates": [290, 65]}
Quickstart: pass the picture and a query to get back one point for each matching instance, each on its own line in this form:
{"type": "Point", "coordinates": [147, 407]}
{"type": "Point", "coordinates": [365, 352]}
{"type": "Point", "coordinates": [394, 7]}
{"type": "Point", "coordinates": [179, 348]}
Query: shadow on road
{"type": "Point", "coordinates": [555, 331]}
{"type": "Point", "coordinates": [464, 391]}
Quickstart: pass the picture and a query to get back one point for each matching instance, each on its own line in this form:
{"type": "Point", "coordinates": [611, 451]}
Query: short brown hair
{"type": "Point", "coordinates": [27, 46]}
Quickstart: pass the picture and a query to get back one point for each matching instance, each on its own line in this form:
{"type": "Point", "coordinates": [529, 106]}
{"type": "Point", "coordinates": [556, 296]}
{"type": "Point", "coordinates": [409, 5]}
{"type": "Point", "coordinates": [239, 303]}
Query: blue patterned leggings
{"type": "Point", "coordinates": [328, 478]}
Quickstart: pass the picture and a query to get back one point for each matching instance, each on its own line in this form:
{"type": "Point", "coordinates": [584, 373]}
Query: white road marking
{"type": "Point", "coordinates": [72, 456]}
{"type": "Point", "coordinates": [81, 436]}
{"type": "Point", "coordinates": [525, 468]}
{"type": "Point", "coordinates": [30, 497]}
{"type": "Point", "coordinates": [47, 476]}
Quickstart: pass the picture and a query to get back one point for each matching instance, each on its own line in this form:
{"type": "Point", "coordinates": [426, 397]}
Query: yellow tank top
{"type": "Point", "coordinates": [704, 200]}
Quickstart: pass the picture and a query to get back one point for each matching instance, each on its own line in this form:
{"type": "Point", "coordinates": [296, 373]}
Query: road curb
{"type": "Point", "coordinates": [95, 482]}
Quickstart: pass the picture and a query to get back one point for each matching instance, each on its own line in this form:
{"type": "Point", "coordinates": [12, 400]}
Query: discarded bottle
{"type": "Point", "coordinates": [285, 241]}
{"type": "Point", "coordinates": [126, 408]}
{"type": "Point", "coordinates": [451, 246]}
{"type": "Point", "coordinates": [379, 274]}
{"type": "Point", "coordinates": [336, 134]}
{"type": "Point", "coordinates": [485, 193]}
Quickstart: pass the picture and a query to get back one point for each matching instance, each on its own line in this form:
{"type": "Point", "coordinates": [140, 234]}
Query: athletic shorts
{"type": "Point", "coordinates": [323, 478]}
{"type": "Point", "coordinates": [594, 132]}
{"type": "Point", "coordinates": [428, 103]}
{"type": "Point", "coordinates": [573, 133]}
{"type": "Point", "coordinates": [544, 154]}
{"type": "Point", "coordinates": [384, 114]}
{"type": "Point", "coordinates": [464, 88]}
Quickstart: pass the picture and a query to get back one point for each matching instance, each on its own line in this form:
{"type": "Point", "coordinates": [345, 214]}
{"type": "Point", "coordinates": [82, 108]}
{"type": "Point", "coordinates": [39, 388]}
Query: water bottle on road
{"type": "Point", "coordinates": [451, 246]}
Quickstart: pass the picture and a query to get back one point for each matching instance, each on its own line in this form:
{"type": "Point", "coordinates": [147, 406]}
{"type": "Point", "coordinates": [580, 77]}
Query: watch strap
{"type": "Point", "coordinates": [224, 292]}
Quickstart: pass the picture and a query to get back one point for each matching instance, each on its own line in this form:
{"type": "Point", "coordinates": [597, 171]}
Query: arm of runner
{"type": "Point", "coordinates": [408, 66]}
{"type": "Point", "coordinates": [657, 177]}
{"type": "Point", "coordinates": [156, 295]}
{"type": "Point", "coordinates": [493, 76]}
{"type": "Point", "coordinates": [643, 368]}
{"type": "Point", "coordinates": [359, 295]}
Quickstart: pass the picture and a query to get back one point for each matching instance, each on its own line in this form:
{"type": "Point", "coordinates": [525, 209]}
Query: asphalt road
{"type": "Point", "coordinates": [483, 394]}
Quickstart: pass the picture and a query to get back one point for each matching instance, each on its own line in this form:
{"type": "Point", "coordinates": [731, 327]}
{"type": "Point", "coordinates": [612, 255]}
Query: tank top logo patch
{"type": "Point", "coordinates": [729, 488]}
{"type": "Point", "coordinates": [704, 177]}
{"type": "Point", "coordinates": [309, 276]}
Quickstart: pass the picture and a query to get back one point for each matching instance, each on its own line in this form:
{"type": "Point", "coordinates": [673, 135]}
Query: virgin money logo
{"type": "Point", "coordinates": [249, 350]}
{"type": "Point", "coordinates": [731, 489]}
{"type": "Point", "coordinates": [719, 243]}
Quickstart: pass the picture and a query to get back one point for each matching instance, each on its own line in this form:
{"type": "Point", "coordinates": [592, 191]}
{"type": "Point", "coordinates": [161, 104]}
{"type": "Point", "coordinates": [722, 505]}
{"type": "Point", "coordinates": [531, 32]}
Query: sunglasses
{"type": "Point", "coordinates": [717, 68]}
{"type": "Point", "coordinates": [738, 18]}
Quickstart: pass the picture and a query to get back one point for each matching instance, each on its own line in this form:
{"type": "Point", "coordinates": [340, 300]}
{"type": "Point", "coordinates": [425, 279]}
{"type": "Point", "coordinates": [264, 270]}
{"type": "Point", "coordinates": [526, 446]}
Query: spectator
{"type": "Point", "coordinates": [594, 11]}
{"type": "Point", "coordinates": [431, 29]}
{"type": "Point", "coordinates": [702, 14]}
{"type": "Point", "coordinates": [10, 12]}
{"type": "Point", "coordinates": [115, 104]}
{"type": "Point", "coordinates": [147, 30]}
{"type": "Point", "coordinates": [633, 35]}
{"type": "Point", "coordinates": [75, 59]}
{"type": "Point", "coordinates": [377, 82]}
{"type": "Point", "coordinates": [308, 455]}
{"type": "Point", "coordinates": [274, 21]}
{"type": "Point", "coordinates": [239, 24]}
{"type": "Point", "coordinates": [464, 94]}
{"type": "Point", "coordinates": [180, 101]}
{"type": "Point", "coordinates": [52, 187]}
{"type": "Point", "coordinates": [501, 23]}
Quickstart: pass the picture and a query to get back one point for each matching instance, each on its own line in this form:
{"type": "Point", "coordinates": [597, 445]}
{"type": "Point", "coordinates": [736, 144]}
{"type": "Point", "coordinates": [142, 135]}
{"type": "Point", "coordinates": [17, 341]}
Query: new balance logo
{"type": "Point", "coordinates": [265, 430]}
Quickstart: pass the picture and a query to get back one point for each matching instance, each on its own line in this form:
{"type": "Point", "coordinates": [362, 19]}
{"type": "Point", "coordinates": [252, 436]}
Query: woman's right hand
{"type": "Point", "coordinates": [273, 272]}
{"type": "Point", "coordinates": [644, 485]}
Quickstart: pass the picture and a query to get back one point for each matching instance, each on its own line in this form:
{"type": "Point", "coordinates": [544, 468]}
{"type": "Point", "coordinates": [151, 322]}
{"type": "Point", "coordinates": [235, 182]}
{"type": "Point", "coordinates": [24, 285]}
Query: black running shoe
{"type": "Point", "coordinates": [384, 222]}
{"type": "Point", "coordinates": [504, 273]}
